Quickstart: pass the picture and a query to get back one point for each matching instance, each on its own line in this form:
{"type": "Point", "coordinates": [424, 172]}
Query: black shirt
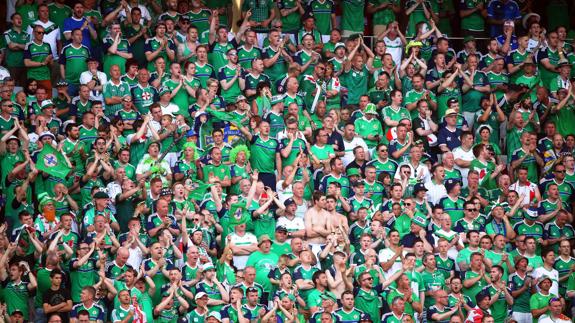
{"type": "Point", "coordinates": [55, 297]}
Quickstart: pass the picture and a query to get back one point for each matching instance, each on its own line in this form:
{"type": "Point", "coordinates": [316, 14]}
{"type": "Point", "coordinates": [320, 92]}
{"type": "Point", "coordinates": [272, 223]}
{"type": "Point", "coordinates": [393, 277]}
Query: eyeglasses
{"type": "Point", "coordinates": [383, 151]}
{"type": "Point", "coordinates": [195, 219]}
{"type": "Point", "coordinates": [233, 54]}
{"type": "Point", "coordinates": [278, 26]}
{"type": "Point", "coordinates": [522, 241]}
{"type": "Point", "coordinates": [240, 277]}
{"type": "Point", "coordinates": [40, 32]}
{"type": "Point", "coordinates": [368, 279]}
{"type": "Point", "coordinates": [471, 210]}
{"type": "Point", "coordinates": [560, 171]}
{"type": "Point", "coordinates": [8, 105]}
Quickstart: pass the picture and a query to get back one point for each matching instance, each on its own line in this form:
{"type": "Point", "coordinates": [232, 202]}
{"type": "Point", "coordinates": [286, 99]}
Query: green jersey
{"type": "Point", "coordinates": [263, 154]}
{"type": "Point", "coordinates": [16, 296]}
{"type": "Point", "coordinates": [292, 21]}
{"type": "Point", "coordinates": [82, 276]}
{"type": "Point", "coordinates": [384, 16]}
{"type": "Point", "coordinates": [119, 314]}
{"type": "Point", "coordinates": [58, 13]}
{"type": "Point", "coordinates": [453, 207]}
{"type": "Point", "coordinates": [539, 301]}
{"type": "Point", "coordinates": [297, 146]}
{"type": "Point", "coordinates": [389, 112]}
{"type": "Point", "coordinates": [368, 302]}
{"type": "Point", "coordinates": [75, 61]}
{"type": "Point", "coordinates": [151, 45]}
{"type": "Point", "coordinates": [38, 53]}
{"type": "Point", "coordinates": [521, 302]}
{"type": "Point", "coordinates": [96, 312]}
{"type": "Point", "coordinates": [553, 58]}
{"type": "Point", "coordinates": [180, 98]}
{"type": "Point", "coordinates": [112, 89]}
{"type": "Point", "coordinates": [477, 287]}
{"type": "Point", "coordinates": [277, 71]}
{"type": "Point", "coordinates": [15, 58]}
{"type": "Point", "coordinates": [352, 17]}
{"type": "Point", "coordinates": [218, 54]}
{"type": "Point", "coordinates": [498, 309]}
{"type": "Point", "coordinates": [356, 82]}
{"type": "Point", "coordinates": [475, 21]}
{"type": "Point", "coordinates": [263, 263]}
{"type": "Point", "coordinates": [563, 266]}
{"type": "Point", "coordinates": [472, 98]}
{"type": "Point", "coordinates": [432, 281]}
{"type": "Point", "coordinates": [322, 11]}
{"type": "Point", "coordinates": [203, 73]}
{"type": "Point", "coordinates": [143, 97]}
{"type": "Point", "coordinates": [200, 19]}
{"type": "Point", "coordinates": [347, 317]}
{"type": "Point", "coordinates": [115, 59]}
{"type": "Point", "coordinates": [368, 127]}
{"type": "Point", "coordinates": [245, 56]}
{"type": "Point", "coordinates": [564, 119]}
{"type": "Point", "coordinates": [227, 73]}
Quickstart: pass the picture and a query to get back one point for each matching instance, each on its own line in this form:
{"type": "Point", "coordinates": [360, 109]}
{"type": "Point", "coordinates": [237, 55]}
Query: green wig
{"type": "Point", "coordinates": [236, 150]}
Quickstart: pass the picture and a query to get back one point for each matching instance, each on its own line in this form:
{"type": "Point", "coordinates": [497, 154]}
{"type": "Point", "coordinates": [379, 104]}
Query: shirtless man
{"type": "Point", "coordinates": [335, 219]}
{"type": "Point", "coordinates": [316, 223]}
{"type": "Point", "coordinates": [342, 279]}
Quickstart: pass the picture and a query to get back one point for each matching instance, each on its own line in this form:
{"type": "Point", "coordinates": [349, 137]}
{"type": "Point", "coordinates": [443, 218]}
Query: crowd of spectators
{"type": "Point", "coordinates": [287, 161]}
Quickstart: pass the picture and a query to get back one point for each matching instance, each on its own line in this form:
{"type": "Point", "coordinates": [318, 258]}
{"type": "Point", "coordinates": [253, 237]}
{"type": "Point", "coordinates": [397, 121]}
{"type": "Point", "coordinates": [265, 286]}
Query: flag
{"type": "Point", "coordinates": [238, 214]}
{"type": "Point", "coordinates": [224, 116]}
{"type": "Point", "coordinates": [139, 316]}
{"type": "Point", "coordinates": [199, 192]}
{"type": "Point", "coordinates": [52, 162]}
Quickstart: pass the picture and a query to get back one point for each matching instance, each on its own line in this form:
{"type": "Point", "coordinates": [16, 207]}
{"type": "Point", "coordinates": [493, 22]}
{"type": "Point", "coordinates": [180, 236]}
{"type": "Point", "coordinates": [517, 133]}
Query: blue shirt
{"type": "Point", "coordinates": [513, 45]}
{"type": "Point", "coordinates": [72, 23]}
{"type": "Point", "coordinates": [502, 10]}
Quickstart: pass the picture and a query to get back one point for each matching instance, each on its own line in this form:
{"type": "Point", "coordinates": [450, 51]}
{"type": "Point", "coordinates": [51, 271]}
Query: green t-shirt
{"type": "Point", "coordinates": [365, 127]}
{"type": "Point", "coordinates": [356, 82]}
{"type": "Point", "coordinates": [476, 288]}
{"type": "Point", "coordinates": [111, 89]}
{"type": "Point", "coordinates": [38, 53]}
{"type": "Point", "coordinates": [263, 154]}
{"type": "Point", "coordinates": [75, 61]}
{"type": "Point", "coordinates": [263, 263]}
{"type": "Point", "coordinates": [475, 21]}
{"type": "Point", "coordinates": [227, 73]}
{"type": "Point", "coordinates": [368, 302]}
{"type": "Point", "coordinates": [15, 58]}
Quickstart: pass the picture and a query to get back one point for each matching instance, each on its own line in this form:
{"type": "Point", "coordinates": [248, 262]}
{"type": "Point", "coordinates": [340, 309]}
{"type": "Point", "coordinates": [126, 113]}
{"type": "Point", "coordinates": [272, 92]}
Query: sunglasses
{"type": "Point", "coordinates": [471, 210]}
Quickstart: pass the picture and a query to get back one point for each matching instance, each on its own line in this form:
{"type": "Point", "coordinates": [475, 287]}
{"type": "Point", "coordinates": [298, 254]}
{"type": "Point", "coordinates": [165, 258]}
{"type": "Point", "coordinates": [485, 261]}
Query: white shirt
{"type": "Point", "coordinates": [435, 192]}
{"type": "Point", "coordinates": [170, 109]}
{"type": "Point", "coordinates": [246, 240]}
{"type": "Point", "coordinates": [394, 48]}
{"type": "Point", "coordinates": [283, 193]}
{"type": "Point", "coordinates": [86, 77]}
{"type": "Point", "coordinates": [51, 38]}
{"type": "Point", "coordinates": [291, 225]}
{"type": "Point", "coordinates": [348, 148]}
{"type": "Point", "coordinates": [135, 258]}
{"type": "Point", "coordinates": [384, 256]}
{"type": "Point", "coordinates": [553, 274]}
{"type": "Point", "coordinates": [145, 13]}
{"type": "Point", "coordinates": [459, 153]}
{"type": "Point", "coordinates": [421, 172]}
